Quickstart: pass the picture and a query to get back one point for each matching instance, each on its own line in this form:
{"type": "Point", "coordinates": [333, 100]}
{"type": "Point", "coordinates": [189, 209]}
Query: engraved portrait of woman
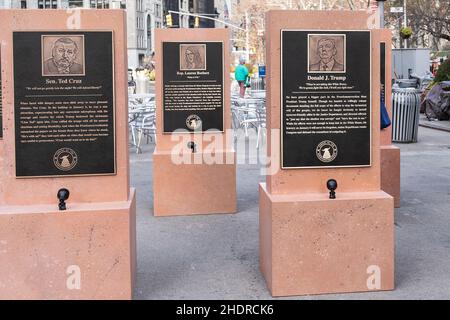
{"type": "Point", "coordinates": [193, 57]}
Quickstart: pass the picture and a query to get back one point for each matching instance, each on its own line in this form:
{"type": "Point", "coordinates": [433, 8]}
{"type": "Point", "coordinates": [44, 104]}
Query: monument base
{"type": "Point", "coordinates": [310, 244]}
{"type": "Point", "coordinates": [390, 172]}
{"type": "Point", "coordinates": [195, 187]}
{"type": "Point", "coordinates": [85, 252]}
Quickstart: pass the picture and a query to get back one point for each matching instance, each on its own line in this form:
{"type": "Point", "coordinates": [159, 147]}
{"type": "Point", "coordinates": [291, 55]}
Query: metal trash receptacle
{"type": "Point", "coordinates": [405, 114]}
{"type": "Point", "coordinates": [257, 83]}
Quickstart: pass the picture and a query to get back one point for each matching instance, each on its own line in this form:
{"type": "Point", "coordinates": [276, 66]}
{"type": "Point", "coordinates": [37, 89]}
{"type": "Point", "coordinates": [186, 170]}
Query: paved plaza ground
{"type": "Point", "coordinates": [216, 256]}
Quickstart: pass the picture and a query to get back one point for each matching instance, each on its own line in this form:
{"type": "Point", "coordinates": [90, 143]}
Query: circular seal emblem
{"type": "Point", "coordinates": [65, 159]}
{"type": "Point", "coordinates": [193, 122]}
{"type": "Point", "coordinates": [326, 151]}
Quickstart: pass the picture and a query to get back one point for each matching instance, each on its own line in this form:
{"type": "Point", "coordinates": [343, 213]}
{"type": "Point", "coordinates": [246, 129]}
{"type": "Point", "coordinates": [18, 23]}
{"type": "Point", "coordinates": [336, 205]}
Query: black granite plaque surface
{"type": "Point", "coordinates": [326, 99]}
{"type": "Point", "coordinates": [193, 86]}
{"type": "Point", "coordinates": [64, 103]}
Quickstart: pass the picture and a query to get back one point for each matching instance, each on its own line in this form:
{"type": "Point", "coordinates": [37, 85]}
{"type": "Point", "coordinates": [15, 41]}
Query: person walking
{"type": "Point", "coordinates": [241, 74]}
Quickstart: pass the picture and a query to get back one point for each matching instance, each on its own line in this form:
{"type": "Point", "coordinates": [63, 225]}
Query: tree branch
{"type": "Point", "coordinates": [439, 35]}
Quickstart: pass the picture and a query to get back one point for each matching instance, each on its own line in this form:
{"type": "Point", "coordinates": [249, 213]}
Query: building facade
{"type": "Point", "coordinates": [153, 19]}
{"type": "Point", "coordinates": [180, 19]}
{"type": "Point", "coordinates": [205, 8]}
{"type": "Point", "coordinates": [143, 16]}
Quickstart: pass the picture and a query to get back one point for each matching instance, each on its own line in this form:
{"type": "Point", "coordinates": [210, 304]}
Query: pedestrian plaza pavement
{"type": "Point", "coordinates": [216, 256]}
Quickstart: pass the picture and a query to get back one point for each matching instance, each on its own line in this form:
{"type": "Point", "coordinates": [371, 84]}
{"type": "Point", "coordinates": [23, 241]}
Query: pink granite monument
{"type": "Point", "coordinates": [390, 154]}
{"type": "Point", "coordinates": [194, 170]}
{"type": "Point", "coordinates": [67, 213]}
{"type": "Point", "coordinates": [325, 224]}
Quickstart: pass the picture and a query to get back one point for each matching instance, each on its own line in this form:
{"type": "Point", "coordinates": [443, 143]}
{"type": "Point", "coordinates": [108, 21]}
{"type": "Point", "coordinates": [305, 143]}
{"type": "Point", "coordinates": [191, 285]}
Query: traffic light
{"type": "Point", "coordinates": [197, 22]}
{"type": "Point", "coordinates": [169, 20]}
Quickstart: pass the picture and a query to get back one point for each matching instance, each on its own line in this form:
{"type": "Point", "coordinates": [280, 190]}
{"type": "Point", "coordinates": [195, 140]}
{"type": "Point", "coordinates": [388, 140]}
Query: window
{"type": "Point", "coordinates": [75, 3]}
{"type": "Point", "coordinates": [157, 10]}
{"type": "Point", "coordinates": [149, 34]}
{"type": "Point", "coordinates": [141, 59]}
{"type": "Point", "coordinates": [23, 4]}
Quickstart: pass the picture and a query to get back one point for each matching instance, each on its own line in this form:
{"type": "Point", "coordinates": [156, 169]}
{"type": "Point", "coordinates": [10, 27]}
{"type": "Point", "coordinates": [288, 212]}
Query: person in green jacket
{"type": "Point", "coordinates": [241, 74]}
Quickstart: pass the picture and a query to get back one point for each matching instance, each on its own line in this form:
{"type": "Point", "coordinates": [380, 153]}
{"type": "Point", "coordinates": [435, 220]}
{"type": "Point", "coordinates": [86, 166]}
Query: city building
{"type": "Point", "coordinates": [172, 5]}
{"type": "Point", "coordinates": [143, 16]}
{"type": "Point", "coordinates": [224, 9]}
{"type": "Point", "coordinates": [154, 19]}
{"type": "Point", "coordinates": [175, 8]}
{"type": "Point", "coordinates": [180, 10]}
{"type": "Point", "coordinates": [62, 4]}
{"type": "Point", "coordinates": [203, 8]}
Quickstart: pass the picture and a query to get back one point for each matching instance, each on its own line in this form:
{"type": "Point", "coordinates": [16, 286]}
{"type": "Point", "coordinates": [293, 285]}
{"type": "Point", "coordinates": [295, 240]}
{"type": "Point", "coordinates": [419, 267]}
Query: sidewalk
{"type": "Point", "coordinates": [216, 256]}
{"type": "Point", "coordinates": [439, 125]}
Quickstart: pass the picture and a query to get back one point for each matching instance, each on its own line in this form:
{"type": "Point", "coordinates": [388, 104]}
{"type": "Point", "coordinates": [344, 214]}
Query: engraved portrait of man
{"type": "Point", "coordinates": [63, 55]}
{"type": "Point", "coordinates": [192, 57]}
{"type": "Point", "coordinates": [326, 53]}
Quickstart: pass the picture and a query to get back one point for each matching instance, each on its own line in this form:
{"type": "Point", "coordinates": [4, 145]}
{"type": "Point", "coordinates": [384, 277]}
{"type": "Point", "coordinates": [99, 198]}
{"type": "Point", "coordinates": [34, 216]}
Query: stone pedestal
{"type": "Point", "coordinates": [86, 252]}
{"type": "Point", "coordinates": [194, 188]}
{"type": "Point", "coordinates": [203, 181]}
{"type": "Point", "coordinates": [310, 244]}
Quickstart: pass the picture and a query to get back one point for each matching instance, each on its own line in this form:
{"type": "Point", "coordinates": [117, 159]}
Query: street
{"type": "Point", "coordinates": [216, 256]}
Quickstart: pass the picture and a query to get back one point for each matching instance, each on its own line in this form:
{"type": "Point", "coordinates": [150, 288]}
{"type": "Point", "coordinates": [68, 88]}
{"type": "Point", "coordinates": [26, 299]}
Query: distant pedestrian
{"type": "Point", "coordinates": [241, 74]}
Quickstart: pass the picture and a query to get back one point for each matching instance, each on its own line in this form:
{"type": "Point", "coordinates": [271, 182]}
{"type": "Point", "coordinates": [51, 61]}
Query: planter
{"type": "Point", "coordinates": [406, 33]}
